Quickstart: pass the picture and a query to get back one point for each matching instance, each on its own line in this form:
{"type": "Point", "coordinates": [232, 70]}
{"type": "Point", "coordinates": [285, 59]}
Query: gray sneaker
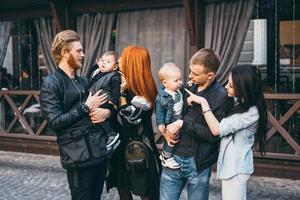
{"type": "Point", "coordinates": [169, 162]}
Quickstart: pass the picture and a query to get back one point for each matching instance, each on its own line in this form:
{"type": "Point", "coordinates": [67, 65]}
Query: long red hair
{"type": "Point", "coordinates": [136, 67]}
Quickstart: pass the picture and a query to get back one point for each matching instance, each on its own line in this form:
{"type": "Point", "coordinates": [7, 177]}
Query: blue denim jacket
{"type": "Point", "coordinates": [235, 156]}
{"type": "Point", "coordinates": [164, 107]}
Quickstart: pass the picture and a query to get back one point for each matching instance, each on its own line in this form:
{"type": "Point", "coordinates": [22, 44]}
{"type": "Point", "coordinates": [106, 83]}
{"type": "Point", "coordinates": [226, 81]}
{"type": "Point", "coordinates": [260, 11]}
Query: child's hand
{"type": "Point", "coordinates": [99, 62]}
{"type": "Point", "coordinates": [197, 99]}
{"type": "Point", "coordinates": [162, 129]}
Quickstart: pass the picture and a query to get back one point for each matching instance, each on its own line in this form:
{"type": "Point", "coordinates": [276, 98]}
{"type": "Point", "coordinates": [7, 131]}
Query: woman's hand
{"type": "Point", "coordinates": [197, 99]}
{"type": "Point", "coordinates": [210, 118]}
{"type": "Point", "coordinates": [98, 115]}
{"type": "Point", "coordinates": [94, 101]}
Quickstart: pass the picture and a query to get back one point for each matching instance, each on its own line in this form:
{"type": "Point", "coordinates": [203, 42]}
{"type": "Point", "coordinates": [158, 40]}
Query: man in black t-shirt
{"type": "Point", "coordinates": [197, 148]}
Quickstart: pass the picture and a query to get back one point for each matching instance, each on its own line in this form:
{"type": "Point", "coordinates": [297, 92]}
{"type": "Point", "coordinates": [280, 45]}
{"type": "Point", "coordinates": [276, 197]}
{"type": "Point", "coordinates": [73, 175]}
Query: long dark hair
{"type": "Point", "coordinates": [247, 86]}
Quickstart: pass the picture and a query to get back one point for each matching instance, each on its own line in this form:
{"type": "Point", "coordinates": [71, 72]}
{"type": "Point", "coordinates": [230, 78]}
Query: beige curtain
{"type": "Point", "coordinates": [5, 29]}
{"type": "Point", "coordinates": [162, 31]}
{"type": "Point", "coordinates": [95, 31]}
{"type": "Point", "coordinates": [46, 31]}
{"type": "Point", "coordinates": [226, 27]}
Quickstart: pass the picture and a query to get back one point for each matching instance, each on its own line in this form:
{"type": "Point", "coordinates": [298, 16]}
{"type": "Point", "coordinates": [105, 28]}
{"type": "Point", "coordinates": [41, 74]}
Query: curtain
{"type": "Point", "coordinates": [226, 27]}
{"type": "Point", "coordinates": [46, 31]}
{"type": "Point", "coordinates": [163, 32]}
{"type": "Point", "coordinates": [5, 30]}
{"type": "Point", "coordinates": [95, 31]}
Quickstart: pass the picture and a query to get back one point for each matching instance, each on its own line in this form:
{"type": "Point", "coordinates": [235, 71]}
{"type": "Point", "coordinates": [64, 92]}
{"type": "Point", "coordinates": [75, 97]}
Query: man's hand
{"type": "Point", "coordinates": [123, 85]}
{"type": "Point", "coordinates": [172, 132]}
{"type": "Point", "coordinates": [94, 101]}
{"type": "Point", "coordinates": [171, 138]}
{"type": "Point", "coordinates": [98, 115]}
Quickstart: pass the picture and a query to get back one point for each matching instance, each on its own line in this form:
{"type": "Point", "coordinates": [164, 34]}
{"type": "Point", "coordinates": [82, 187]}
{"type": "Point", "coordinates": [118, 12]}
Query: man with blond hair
{"type": "Point", "coordinates": [71, 112]}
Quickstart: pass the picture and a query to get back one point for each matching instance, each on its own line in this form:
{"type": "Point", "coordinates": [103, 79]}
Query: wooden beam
{"type": "Point", "coordinates": [283, 119]}
{"type": "Point", "coordinates": [200, 23]}
{"type": "Point", "coordinates": [190, 21]}
{"type": "Point", "coordinates": [60, 12]}
{"type": "Point", "coordinates": [280, 169]}
{"type": "Point", "coordinates": [29, 145]}
{"type": "Point", "coordinates": [28, 12]}
{"type": "Point", "coordinates": [289, 139]}
{"type": "Point", "coordinates": [21, 109]}
{"type": "Point", "coordinates": [64, 11]}
{"type": "Point", "coordinates": [282, 96]}
{"type": "Point", "coordinates": [79, 7]}
{"type": "Point", "coordinates": [195, 20]}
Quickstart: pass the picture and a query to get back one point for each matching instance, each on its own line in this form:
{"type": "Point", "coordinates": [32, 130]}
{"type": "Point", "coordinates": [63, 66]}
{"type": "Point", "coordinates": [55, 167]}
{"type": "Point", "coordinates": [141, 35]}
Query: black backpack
{"type": "Point", "coordinates": [141, 165]}
{"type": "Point", "coordinates": [137, 155]}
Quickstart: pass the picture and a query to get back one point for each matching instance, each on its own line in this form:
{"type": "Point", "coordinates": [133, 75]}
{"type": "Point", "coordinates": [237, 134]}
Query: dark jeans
{"type": "Point", "coordinates": [87, 184]}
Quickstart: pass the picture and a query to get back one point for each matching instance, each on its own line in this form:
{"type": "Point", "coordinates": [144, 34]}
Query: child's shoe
{"type": "Point", "coordinates": [169, 162]}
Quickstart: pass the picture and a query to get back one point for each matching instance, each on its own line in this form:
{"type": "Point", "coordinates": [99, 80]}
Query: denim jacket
{"type": "Point", "coordinates": [164, 107]}
{"type": "Point", "coordinates": [236, 156]}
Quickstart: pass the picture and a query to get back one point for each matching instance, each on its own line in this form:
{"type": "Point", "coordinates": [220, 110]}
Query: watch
{"type": "Point", "coordinates": [85, 108]}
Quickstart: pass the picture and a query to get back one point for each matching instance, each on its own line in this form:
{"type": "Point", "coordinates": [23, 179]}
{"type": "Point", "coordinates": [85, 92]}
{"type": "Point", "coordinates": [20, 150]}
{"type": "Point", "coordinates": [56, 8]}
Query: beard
{"type": "Point", "coordinates": [74, 63]}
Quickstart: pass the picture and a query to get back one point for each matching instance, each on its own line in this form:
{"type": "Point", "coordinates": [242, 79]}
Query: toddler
{"type": "Point", "coordinates": [169, 105]}
{"type": "Point", "coordinates": [107, 78]}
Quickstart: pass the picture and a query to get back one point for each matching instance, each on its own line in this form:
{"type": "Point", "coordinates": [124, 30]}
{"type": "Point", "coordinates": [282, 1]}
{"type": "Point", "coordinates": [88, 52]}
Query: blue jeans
{"type": "Point", "coordinates": [173, 181]}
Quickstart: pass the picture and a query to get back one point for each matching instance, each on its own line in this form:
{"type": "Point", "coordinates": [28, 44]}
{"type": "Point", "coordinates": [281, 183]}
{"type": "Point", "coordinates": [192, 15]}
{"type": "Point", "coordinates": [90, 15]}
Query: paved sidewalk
{"type": "Point", "coordinates": [39, 177]}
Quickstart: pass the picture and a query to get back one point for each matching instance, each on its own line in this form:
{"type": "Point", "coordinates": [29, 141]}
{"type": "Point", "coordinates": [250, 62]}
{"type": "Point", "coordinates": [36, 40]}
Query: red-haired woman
{"type": "Point", "coordinates": [138, 93]}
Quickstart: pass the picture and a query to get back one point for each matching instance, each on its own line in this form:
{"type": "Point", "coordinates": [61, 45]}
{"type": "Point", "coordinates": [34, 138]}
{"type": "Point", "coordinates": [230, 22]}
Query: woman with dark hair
{"type": "Point", "coordinates": [244, 127]}
{"type": "Point", "coordinates": [138, 93]}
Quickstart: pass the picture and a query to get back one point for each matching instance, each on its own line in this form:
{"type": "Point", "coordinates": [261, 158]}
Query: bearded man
{"type": "Point", "coordinates": [72, 113]}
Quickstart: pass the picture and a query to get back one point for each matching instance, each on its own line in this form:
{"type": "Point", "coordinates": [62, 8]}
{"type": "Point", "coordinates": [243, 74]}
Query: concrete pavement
{"type": "Point", "coordinates": [40, 177]}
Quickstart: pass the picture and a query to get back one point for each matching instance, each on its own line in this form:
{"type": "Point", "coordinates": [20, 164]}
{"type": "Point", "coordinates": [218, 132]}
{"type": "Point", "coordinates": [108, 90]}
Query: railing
{"type": "Point", "coordinates": [280, 121]}
{"type": "Point", "coordinates": [284, 125]}
{"type": "Point", "coordinates": [8, 103]}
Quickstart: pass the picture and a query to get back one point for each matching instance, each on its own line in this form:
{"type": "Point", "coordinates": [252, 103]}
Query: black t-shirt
{"type": "Point", "coordinates": [185, 145]}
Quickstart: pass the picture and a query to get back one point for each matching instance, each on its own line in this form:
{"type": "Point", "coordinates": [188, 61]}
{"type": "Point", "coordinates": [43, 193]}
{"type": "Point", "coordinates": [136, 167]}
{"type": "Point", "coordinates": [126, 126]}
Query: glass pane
{"type": "Point", "coordinates": [289, 55]}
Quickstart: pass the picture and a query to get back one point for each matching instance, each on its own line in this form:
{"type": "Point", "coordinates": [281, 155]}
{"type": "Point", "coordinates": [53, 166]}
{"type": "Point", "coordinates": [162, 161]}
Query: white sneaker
{"type": "Point", "coordinates": [169, 162]}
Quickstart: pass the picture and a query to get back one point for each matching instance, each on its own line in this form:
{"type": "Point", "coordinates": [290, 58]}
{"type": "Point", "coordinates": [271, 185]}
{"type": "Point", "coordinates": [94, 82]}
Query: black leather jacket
{"type": "Point", "coordinates": [61, 99]}
{"type": "Point", "coordinates": [81, 143]}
